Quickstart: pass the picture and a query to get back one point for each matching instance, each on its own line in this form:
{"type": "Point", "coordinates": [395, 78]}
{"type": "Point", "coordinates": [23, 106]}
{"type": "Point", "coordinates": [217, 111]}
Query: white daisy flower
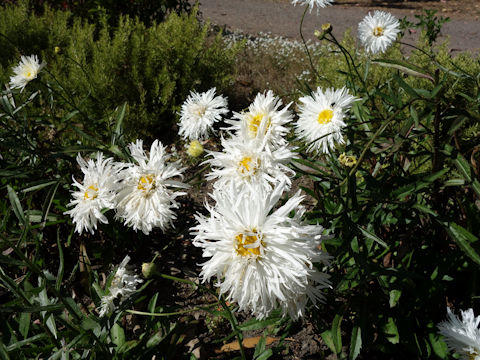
{"type": "Point", "coordinates": [25, 71]}
{"type": "Point", "coordinates": [199, 112]}
{"type": "Point", "coordinates": [262, 258]}
{"type": "Point", "coordinates": [123, 285]}
{"type": "Point", "coordinates": [462, 336]}
{"type": "Point", "coordinates": [263, 120]}
{"type": "Point", "coordinates": [146, 198]}
{"type": "Point", "coordinates": [95, 193]}
{"type": "Point", "coordinates": [312, 3]}
{"type": "Point", "coordinates": [250, 162]}
{"type": "Point", "coordinates": [321, 115]}
{"type": "Point", "coordinates": [378, 31]}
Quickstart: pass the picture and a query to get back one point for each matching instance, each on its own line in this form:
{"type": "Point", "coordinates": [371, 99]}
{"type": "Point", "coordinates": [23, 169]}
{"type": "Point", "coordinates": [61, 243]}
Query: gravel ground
{"type": "Point", "coordinates": [281, 18]}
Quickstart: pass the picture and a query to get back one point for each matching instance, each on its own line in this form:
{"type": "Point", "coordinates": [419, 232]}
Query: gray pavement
{"type": "Point", "coordinates": [282, 18]}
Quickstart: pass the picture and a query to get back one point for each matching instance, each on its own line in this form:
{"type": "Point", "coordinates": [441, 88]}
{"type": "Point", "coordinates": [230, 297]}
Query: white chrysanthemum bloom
{"type": "Point", "coordinates": [312, 3]}
{"type": "Point", "coordinates": [262, 258]}
{"type": "Point", "coordinates": [378, 31]}
{"type": "Point", "coordinates": [25, 71]}
{"type": "Point", "coordinates": [321, 116]}
{"type": "Point", "coordinates": [250, 162]}
{"type": "Point", "coordinates": [462, 336]}
{"type": "Point", "coordinates": [263, 120]}
{"type": "Point", "coordinates": [95, 193]}
{"type": "Point", "coordinates": [146, 198]}
{"type": "Point", "coordinates": [123, 285]}
{"type": "Point", "coordinates": [199, 112]}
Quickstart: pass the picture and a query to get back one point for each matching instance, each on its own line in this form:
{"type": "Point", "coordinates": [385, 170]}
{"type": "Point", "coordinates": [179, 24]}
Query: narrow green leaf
{"type": "Point", "coordinates": [118, 335]}
{"type": "Point", "coordinates": [255, 324]}
{"type": "Point", "coordinates": [355, 343]}
{"type": "Point", "coordinates": [463, 238]}
{"type": "Point", "coordinates": [61, 265]}
{"type": "Point", "coordinates": [39, 186]}
{"type": "Point", "coordinates": [29, 341]}
{"type": "Point", "coordinates": [70, 116]}
{"type": "Point", "coordinates": [24, 324]}
{"type": "Point", "coordinates": [404, 67]}
{"type": "Point", "coordinates": [337, 334]}
{"type": "Point", "coordinates": [152, 303]}
{"type": "Point", "coordinates": [260, 348]}
{"type": "Point", "coordinates": [48, 202]}
{"type": "Point", "coordinates": [118, 123]}
{"type": "Point", "coordinates": [373, 237]}
{"type": "Point", "coordinates": [16, 206]}
{"type": "Point", "coordinates": [265, 355]}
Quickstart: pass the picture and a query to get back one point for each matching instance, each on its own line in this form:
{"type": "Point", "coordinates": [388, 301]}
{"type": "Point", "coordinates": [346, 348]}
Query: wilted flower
{"type": "Point", "coordinates": [250, 162]}
{"type": "Point", "coordinates": [312, 3]}
{"type": "Point", "coordinates": [378, 31]}
{"type": "Point", "coordinates": [25, 71]}
{"type": "Point", "coordinates": [95, 193]}
{"type": "Point", "coordinates": [261, 260]}
{"type": "Point", "coordinates": [462, 336]}
{"type": "Point", "coordinates": [263, 121]}
{"type": "Point", "coordinates": [147, 198]}
{"type": "Point", "coordinates": [123, 285]}
{"type": "Point", "coordinates": [199, 112]}
{"type": "Point", "coordinates": [321, 115]}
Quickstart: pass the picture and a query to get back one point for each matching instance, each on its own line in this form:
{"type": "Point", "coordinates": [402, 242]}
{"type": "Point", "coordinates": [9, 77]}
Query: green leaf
{"type": "Point", "coordinates": [265, 355]}
{"type": "Point", "coordinates": [24, 324]}
{"type": "Point", "coordinates": [439, 346]}
{"type": "Point", "coordinates": [336, 332]}
{"type": "Point", "coordinates": [390, 329]}
{"type": "Point", "coordinates": [118, 335]}
{"type": "Point", "coordinates": [404, 67]}
{"type": "Point", "coordinates": [260, 347]}
{"type": "Point", "coordinates": [418, 185]}
{"type": "Point", "coordinates": [255, 324]}
{"type": "Point", "coordinates": [394, 297]}
{"type": "Point", "coordinates": [463, 238]}
{"type": "Point", "coordinates": [373, 237]}
{"type": "Point", "coordinates": [328, 339]}
{"type": "Point", "coordinates": [355, 343]}
{"type": "Point", "coordinates": [117, 132]}
{"type": "Point", "coordinates": [29, 341]}
{"type": "Point", "coordinates": [39, 186]}
{"type": "Point", "coordinates": [16, 206]}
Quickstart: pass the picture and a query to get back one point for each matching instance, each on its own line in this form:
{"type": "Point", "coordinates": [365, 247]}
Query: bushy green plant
{"type": "Point", "coordinates": [151, 68]}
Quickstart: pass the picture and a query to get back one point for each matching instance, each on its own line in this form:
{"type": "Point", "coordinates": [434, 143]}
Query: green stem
{"type": "Point", "coordinates": [306, 46]}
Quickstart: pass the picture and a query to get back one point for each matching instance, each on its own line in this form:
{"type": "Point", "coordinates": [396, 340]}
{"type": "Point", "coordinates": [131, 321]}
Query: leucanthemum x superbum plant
{"type": "Point", "coordinates": [141, 193]}
{"type": "Point", "coordinates": [261, 258]}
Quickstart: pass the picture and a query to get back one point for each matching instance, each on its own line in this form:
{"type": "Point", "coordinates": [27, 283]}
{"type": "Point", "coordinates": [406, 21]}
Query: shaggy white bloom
{"type": "Point", "coordinates": [262, 258]}
{"type": "Point", "coordinates": [462, 336]}
{"type": "Point", "coordinates": [95, 193]}
{"type": "Point", "coordinates": [25, 71]}
{"type": "Point", "coordinates": [250, 162]}
{"type": "Point", "coordinates": [321, 115]}
{"type": "Point", "coordinates": [146, 198]}
{"type": "Point", "coordinates": [378, 31]}
{"type": "Point", "coordinates": [312, 3]}
{"type": "Point", "coordinates": [199, 112]}
{"type": "Point", "coordinates": [123, 285]}
{"type": "Point", "coordinates": [264, 120]}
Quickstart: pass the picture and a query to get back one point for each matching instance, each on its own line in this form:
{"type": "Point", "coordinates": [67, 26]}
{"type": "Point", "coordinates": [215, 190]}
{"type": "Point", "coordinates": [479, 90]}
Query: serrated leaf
{"type": "Point", "coordinates": [439, 346]}
{"type": "Point", "coordinates": [355, 343]}
{"type": "Point", "coordinates": [337, 334]}
{"type": "Point", "coordinates": [328, 339]}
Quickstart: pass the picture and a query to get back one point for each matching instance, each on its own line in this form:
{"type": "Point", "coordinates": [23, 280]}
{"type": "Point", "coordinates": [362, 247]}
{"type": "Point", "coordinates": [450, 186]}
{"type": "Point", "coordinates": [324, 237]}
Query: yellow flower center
{"type": "Point", "coordinates": [248, 166]}
{"type": "Point", "coordinates": [146, 183]}
{"type": "Point", "coordinates": [91, 193]}
{"type": "Point", "coordinates": [254, 122]}
{"type": "Point", "coordinates": [325, 116]}
{"type": "Point", "coordinates": [249, 243]}
{"type": "Point", "coordinates": [378, 31]}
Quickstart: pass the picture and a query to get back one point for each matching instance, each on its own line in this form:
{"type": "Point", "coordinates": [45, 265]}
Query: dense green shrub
{"type": "Point", "coordinates": [151, 68]}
